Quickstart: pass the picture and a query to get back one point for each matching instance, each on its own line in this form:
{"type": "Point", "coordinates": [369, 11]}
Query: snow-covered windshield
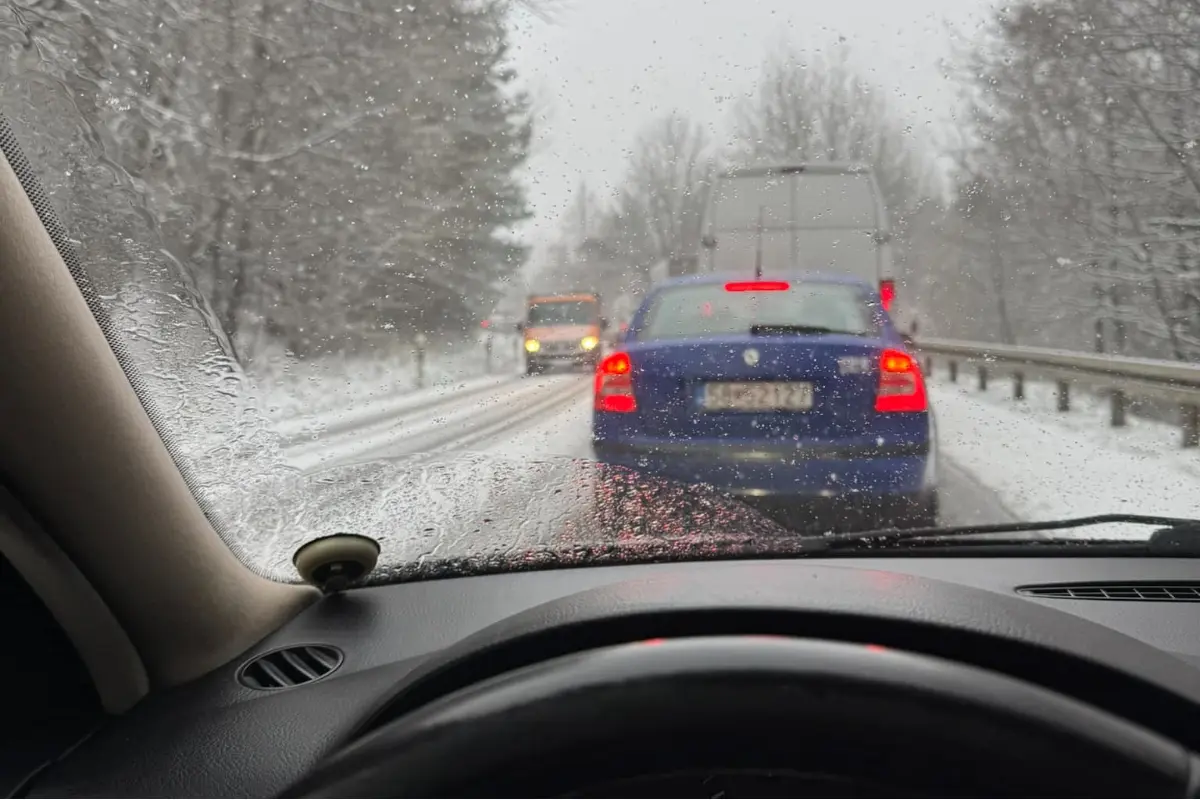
{"type": "Point", "coordinates": [312, 230]}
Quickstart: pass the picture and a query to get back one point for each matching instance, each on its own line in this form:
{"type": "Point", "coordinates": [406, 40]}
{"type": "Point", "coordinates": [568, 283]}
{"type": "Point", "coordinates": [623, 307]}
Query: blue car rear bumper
{"type": "Point", "coordinates": [826, 470]}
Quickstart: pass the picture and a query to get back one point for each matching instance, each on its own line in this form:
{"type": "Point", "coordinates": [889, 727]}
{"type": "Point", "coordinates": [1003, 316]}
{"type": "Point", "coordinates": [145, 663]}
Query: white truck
{"type": "Point", "coordinates": [785, 218]}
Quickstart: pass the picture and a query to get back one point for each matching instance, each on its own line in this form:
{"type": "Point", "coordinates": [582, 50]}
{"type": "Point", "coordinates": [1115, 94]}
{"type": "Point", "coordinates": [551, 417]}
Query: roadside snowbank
{"type": "Point", "coordinates": [1047, 465]}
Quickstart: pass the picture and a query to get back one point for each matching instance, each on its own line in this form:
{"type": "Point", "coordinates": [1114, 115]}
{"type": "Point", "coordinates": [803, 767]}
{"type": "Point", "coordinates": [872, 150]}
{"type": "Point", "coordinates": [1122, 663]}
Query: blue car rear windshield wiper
{"type": "Point", "coordinates": [874, 538]}
{"type": "Point", "coordinates": [796, 330]}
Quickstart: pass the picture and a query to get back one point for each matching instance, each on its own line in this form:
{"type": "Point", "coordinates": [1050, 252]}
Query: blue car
{"type": "Point", "coordinates": [797, 392]}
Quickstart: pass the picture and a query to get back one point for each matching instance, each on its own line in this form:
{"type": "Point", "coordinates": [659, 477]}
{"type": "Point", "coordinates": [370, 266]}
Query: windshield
{"type": "Point", "coordinates": [710, 310]}
{"type": "Point", "coordinates": [562, 313]}
{"type": "Point", "coordinates": [321, 236]}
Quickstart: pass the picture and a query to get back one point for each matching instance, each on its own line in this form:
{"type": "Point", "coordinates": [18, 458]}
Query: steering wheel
{"type": "Point", "coordinates": [877, 720]}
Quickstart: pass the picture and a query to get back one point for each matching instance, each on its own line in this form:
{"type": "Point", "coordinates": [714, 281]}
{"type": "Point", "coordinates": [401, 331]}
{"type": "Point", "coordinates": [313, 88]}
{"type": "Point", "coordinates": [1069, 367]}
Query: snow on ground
{"type": "Point", "coordinates": [496, 409]}
{"type": "Point", "coordinates": [1045, 464]}
{"type": "Point", "coordinates": [358, 416]}
{"type": "Point", "coordinates": [325, 387]}
{"type": "Point", "coordinates": [563, 433]}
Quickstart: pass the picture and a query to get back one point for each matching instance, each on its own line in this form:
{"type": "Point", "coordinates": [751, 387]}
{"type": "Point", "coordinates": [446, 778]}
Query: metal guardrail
{"type": "Point", "coordinates": [1120, 377]}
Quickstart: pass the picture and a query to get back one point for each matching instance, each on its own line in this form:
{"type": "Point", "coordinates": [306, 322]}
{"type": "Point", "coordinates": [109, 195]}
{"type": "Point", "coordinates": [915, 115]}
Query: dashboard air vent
{"type": "Point", "coordinates": [1181, 592]}
{"type": "Point", "coordinates": [290, 666]}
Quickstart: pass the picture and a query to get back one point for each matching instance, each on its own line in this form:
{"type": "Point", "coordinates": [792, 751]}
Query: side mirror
{"type": "Point", "coordinates": [604, 323]}
{"type": "Point", "coordinates": [520, 326]}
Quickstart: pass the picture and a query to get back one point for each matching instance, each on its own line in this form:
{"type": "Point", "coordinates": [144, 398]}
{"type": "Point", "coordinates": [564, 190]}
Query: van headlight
{"type": "Point", "coordinates": [532, 345]}
{"type": "Point", "coordinates": [589, 342]}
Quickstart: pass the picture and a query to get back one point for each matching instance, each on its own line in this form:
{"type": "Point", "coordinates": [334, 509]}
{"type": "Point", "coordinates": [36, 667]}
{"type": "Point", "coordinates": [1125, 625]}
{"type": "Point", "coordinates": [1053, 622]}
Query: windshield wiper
{"type": "Point", "coordinates": [1173, 533]}
{"type": "Point", "coordinates": [796, 330]}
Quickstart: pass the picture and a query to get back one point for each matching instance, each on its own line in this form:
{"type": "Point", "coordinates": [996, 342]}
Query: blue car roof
{"type": "Point", "coordinates": [803, 277]}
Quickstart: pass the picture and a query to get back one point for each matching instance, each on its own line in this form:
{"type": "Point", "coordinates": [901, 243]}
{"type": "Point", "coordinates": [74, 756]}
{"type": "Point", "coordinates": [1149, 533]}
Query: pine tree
{"type": "Point", "coordinates": [486, 140]}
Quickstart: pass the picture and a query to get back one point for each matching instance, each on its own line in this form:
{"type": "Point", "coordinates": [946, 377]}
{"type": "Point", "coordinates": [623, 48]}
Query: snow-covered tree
{"type": "Point", "coordinates": [659, 210]}
{"type": "Point", "coordinates": [819, 107]}
{"type": "Point", "coordinates": [323, 174]}
{"type": "Point", "coordinates": [656, 212]}
{"type": "Point", "coordinates": [1085, 118]}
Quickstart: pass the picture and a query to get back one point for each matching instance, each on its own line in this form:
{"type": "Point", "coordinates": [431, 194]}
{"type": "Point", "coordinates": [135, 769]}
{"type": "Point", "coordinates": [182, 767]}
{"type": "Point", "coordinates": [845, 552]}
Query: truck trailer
{"type": "Point", "coordinates": [800, 217]}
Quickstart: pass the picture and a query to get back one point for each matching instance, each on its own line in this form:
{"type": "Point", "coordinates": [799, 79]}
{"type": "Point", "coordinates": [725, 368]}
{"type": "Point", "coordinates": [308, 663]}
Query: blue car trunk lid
{"type": "Point", "coordinates": [669, 379]}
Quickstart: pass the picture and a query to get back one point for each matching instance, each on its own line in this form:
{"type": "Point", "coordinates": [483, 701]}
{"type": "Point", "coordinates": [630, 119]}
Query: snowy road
{"type": "Point", "coordinates": [496, 468]}
{"type": "Point", "coordinates": [538, 418]}
{"type": "Point", "coordinates": [502, 415]}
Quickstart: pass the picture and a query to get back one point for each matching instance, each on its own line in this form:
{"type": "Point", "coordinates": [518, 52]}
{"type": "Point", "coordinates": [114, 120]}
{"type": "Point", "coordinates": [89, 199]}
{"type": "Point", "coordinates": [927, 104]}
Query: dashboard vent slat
{"type": "Point", "coordinates": [323, 657]}
{"type": "Point", "coordinates": [296, 663]}
{"type": "Point", "coordinates": [1170, 592]}
{"type": "Point", "coordinates": [288, 667]}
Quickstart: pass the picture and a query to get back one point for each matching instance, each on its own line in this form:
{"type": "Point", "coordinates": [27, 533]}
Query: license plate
{"type": "Point", "coordinates": [757, 396]}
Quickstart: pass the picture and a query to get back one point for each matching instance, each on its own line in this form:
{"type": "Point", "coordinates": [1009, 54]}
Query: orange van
{"type": "Point", "coordinates": [562, 329]}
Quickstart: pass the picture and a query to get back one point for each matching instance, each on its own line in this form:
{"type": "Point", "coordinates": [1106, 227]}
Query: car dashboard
{"type": "Point", "coordinates": [1133, 651]}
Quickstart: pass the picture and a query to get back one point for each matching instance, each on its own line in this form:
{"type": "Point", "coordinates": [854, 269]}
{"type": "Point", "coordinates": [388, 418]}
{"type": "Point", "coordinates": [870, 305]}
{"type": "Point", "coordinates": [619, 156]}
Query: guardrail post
{"type": "Point", "coordinates": [928, 365]}
{"type": "Point", "coordinates": [1018, 386]}
{"type": "Point", "coordinates": [420, 356]}
{"type": "Point", "coordinates": [1064, 396]}
{"type": "Point", "coordinates": [487, 354]}
{"type": "Point", "coordinates": [982, 378]}
{"type": "Point", "coordinates": [1190, 416]}
{"type": "Point", "coordinates": [1119, 404]}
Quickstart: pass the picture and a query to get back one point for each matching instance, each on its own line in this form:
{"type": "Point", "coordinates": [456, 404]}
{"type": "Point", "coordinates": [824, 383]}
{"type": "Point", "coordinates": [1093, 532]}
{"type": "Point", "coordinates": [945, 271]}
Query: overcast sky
{"type": "Point", "coordinates": [600, 70]}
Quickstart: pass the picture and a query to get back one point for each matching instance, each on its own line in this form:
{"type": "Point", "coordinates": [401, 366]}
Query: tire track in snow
{"type": "Point", "coordinates": [455, 424]}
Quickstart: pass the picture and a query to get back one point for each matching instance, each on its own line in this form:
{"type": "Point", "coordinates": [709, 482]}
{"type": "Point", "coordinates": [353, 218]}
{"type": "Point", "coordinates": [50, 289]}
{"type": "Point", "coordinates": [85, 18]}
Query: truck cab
{"type": "Point", "coordinates": [562, 330]}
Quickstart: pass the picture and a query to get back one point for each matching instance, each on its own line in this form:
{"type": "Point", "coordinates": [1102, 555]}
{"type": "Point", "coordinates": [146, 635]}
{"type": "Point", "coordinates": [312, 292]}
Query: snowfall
{"type": "Point", "coordinates": [435, 425]}
{"type": "Point", "coordinates": [1040, 462]}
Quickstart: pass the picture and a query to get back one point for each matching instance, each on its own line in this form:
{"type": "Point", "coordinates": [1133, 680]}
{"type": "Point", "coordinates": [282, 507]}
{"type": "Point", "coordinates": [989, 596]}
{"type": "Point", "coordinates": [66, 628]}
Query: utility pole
{"type": "Point", "coordinates": [583, 210]}
{"type": "Point", "coordinates": [1114, 215]}
{"type": "Point", "coordinates": [758, 248]}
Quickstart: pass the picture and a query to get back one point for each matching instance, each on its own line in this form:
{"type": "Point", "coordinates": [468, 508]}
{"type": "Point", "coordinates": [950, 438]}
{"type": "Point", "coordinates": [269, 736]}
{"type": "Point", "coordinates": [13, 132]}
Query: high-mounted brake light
{"type": "Point", "coordinates": [901, 386]}
{"type": "Point", "coordinates": [757, 286]}
{"type": "Point", "coordinates": [614, 384]}
{"type": "Point", "coordinates": [887, 293]}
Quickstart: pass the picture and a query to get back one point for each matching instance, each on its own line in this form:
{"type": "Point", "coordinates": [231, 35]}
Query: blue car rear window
{"type": "Point", "coordinates": [707, 309]}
